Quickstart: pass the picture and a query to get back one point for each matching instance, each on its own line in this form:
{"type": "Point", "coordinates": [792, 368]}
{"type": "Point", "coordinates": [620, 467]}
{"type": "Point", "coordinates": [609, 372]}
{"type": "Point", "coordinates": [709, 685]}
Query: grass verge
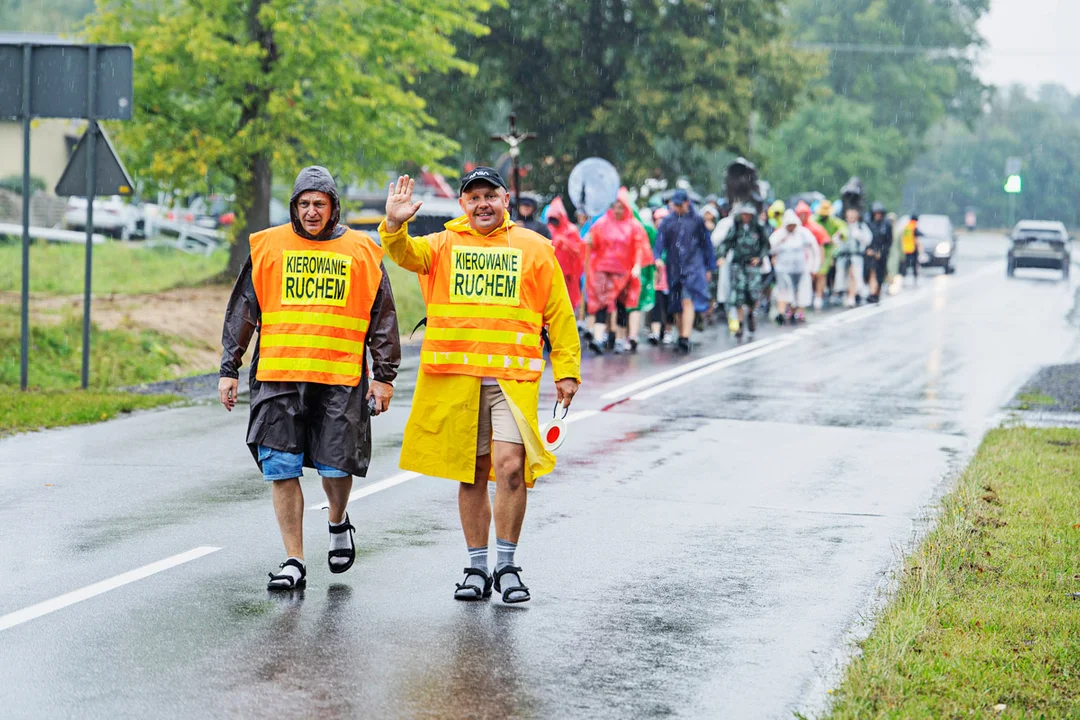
{"type": "Point", "coordinates": [983, 623]}
{"type": "Point", "coordinates": [38, 409]}
{"type": "Point", "coordinates": [1028, 400]}
{"type": "Point", "coordinates": [118, 268]}
{"type": "Point", "coordinates": [119, 357]}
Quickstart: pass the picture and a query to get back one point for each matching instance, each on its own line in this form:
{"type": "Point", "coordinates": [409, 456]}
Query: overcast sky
{"type": "Point", "coordinates": [1032, 42]}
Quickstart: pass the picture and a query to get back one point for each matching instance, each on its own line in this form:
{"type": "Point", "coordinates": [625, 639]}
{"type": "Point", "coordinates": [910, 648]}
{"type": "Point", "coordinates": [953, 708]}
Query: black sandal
{"type": "Point", "coordinates": [349, 553]}
{"type": "Point", "coordinates": [508, 592]}
{"type": "Point", "coordinates": [467, 592]}
{"type": "Point", "coordinates": [293, 583]}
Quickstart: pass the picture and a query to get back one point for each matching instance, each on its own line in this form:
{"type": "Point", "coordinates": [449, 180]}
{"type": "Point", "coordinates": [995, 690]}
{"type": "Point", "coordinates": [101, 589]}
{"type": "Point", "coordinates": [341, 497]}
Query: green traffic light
{"type": "Point", "coordinates": [1013, 184]}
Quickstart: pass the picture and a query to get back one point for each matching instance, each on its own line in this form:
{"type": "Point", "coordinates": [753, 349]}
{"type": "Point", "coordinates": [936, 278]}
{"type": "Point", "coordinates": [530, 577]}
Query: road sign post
{"type": "Point", "coordinates": [45, 80]}
{"type": "Point", "coordinates": [24, 313]}
{"type": "Point", "coordinates": [1013, 186]}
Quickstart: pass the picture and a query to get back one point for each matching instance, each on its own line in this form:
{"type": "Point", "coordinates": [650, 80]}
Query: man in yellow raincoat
{"type": "Point", "coordinates": [491, 287]}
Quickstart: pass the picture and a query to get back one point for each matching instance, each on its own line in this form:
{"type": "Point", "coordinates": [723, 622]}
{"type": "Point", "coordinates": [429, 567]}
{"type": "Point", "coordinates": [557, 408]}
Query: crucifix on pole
{"type": "Point", "coordinates": [514, 140]}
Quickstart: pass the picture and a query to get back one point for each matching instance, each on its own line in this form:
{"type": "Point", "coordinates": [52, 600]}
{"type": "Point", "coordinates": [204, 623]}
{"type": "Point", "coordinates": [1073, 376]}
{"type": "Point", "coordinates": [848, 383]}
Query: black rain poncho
{"type": "Point", "coordinates": [328, 423]}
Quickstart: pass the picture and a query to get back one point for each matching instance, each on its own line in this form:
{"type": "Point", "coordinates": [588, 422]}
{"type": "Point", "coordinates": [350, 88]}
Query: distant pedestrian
{"type": "Point", "coordinates": [526, 216]}
{"type": "Point", "coordinates": [849, 258]}
{"type": "Point", "coordinates": [318, 296]}
{"type": "Point", "coordinates": [659, 317]}
{"type": "Point", "coordinates": [911, 245]}
{"type": "Point", "coordinates": [689, 263]}
{"type": "Point", "coordinates": [749, 245]}
{"type": "Point", "coordinates": [569, 249]}
{"type": "Point", "coordinates": [877, 255]}
{"type": "Point", "coordinates": [805, 214]}
{"type": "Point", "coordinates": [794, 251]}
{"type": "Point", "coordinates": [837, 231]}
{"type": "Point", "coordinates": [617, 243]}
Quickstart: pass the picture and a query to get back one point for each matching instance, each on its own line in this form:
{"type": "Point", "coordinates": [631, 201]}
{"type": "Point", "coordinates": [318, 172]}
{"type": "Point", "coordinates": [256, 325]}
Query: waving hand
{"type": "Point", "coordinates": [400, 207]}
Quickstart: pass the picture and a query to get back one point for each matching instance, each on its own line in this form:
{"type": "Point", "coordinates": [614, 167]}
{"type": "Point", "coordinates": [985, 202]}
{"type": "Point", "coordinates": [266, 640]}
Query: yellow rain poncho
{"type": "Point", "coordinates": [440, 437]}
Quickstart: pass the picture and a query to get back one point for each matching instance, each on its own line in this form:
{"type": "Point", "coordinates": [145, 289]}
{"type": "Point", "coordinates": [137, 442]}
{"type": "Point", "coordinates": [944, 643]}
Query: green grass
{"type": "Point", "coordinates": [1028, 400]}
{"type": "Point", "coordinates": [118, 268]}
{"type": "Point", "coordinates": [118, 357]}
{"type": "Point", "coordinates": [983, 616]}
{"type": "Point", "coordinates": [407, 297]}
{"type": "Point", "coordinates": [37, 409]}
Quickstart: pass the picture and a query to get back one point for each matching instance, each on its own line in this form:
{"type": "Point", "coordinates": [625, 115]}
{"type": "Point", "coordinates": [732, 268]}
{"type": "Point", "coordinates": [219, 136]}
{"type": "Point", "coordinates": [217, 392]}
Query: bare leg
{"type": "Point", "coordinates": [289, 507]}
{"type": "Point", "coordinates": [337, 494]}
{"type": "Point", "coordinates": [510, 491]}
{"type": "Point", "coordinates": [686, 318]}
{"type": "Point", "coordinates": [634, 325]}
{"type": "Point", "coordinates": [474, 505]}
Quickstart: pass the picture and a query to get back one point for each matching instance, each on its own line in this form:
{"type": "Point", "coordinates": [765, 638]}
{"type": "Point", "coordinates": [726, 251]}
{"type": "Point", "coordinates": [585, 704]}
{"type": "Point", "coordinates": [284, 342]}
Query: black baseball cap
{"type": "Point", "coordinates": [486, 174]}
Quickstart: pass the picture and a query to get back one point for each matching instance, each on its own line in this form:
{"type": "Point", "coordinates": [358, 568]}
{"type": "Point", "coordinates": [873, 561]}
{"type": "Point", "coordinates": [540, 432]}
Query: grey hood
{"type": "Point", "coordinates": [317, 178]}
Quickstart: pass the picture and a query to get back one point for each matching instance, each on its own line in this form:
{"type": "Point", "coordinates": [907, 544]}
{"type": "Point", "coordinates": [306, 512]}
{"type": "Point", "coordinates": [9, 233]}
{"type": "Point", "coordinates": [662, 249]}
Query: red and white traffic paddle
{"type": "Point", "coordinates": [554, 432]}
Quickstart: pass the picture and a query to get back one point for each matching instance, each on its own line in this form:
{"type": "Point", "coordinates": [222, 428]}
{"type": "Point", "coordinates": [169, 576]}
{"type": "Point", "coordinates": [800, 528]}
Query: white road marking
{"type": "Point", "coordinates": [44, 608]}
{"type": "Point", "coordinates": [710, 369]}
{"type": "Point", "coordinates": [584, 414]}
{"type": "Point", "coordinates": [755, 350]}
{"type": "Point", "coordinates": [373, 488]}
{"type": "Point", "coordinates": [633, 387]}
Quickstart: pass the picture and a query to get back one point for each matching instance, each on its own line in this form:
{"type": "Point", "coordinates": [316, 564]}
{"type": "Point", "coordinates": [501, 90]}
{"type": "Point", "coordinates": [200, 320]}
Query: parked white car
{"type": "Point", "coordinates": [112, 216]}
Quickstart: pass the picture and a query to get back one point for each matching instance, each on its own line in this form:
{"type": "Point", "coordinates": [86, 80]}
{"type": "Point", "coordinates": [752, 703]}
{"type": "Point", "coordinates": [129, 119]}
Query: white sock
{"type": "Point", "coordinates": [340, 541]}
{"type": "Point", "coordinates": [291, 570]}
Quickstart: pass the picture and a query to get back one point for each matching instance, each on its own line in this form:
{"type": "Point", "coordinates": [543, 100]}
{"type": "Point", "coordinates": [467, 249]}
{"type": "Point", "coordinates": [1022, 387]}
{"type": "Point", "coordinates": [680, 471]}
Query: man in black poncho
{"type": "Point", "coordinates": [318, 295]}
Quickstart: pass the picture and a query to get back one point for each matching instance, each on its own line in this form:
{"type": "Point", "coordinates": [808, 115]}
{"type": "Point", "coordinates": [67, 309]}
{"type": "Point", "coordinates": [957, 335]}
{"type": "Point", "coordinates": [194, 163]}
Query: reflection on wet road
{"type": "Point", "coordinates": [707, 548]}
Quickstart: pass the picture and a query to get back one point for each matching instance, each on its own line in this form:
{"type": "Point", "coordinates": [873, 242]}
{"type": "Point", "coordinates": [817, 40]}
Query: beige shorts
{"type": "Point", "coordinates": [496, 420]}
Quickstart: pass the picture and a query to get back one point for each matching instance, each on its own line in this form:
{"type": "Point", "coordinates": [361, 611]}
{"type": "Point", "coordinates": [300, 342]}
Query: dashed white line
{"type": "Point", "coordinates": [58, 603]}
{"type": "Point", "coordinates": [373, 488]}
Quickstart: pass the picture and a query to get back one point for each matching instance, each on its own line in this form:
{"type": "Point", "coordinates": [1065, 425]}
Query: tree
{"type": "Point", "coordinates": [622, 78]}
{"type": "Point", "coordinates": [891, 58]}
{"type": "Point", "coordinates": [826, 142]}
{"type": "Point", "coordinates": [236, 90]}
{"type": "Point", "coordinates": [965, 167]}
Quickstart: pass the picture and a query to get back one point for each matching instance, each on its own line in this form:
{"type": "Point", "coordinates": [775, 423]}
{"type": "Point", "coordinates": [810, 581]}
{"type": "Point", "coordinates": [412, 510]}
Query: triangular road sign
{"type": "Point", "coordinates": [112, 178]}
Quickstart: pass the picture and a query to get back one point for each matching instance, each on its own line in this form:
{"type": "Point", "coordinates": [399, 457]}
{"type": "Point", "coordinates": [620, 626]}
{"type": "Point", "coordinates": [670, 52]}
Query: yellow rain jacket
{"type": "Point", "coordinates": [440, 437]}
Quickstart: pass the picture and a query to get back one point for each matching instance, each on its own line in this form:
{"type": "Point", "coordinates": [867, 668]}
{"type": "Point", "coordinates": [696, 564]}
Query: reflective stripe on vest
{"type": "Point", "coordinates": [485, 307]}
{"type": "Point", "coordinates": [487, 362]}
{"type": "Point", "coordinates": [316, 299]}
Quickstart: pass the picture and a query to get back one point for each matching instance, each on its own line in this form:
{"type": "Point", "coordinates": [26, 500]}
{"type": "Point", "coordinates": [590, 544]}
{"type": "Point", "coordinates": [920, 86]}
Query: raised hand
{"type": "Point", "coordinates": [400, 208]}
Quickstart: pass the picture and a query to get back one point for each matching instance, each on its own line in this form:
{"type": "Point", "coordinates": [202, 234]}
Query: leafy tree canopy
{"type": "Point", "coordinates": [966, 167]}
{"type": "Point", "coordinates": [826, 142]}
{"type": "Point", "coordinates": [236, 90]}
{"type": "Point", "coordinates": [620, 79]}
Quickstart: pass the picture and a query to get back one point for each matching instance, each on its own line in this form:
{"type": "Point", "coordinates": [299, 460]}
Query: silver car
{"type": "Point", "coordinates": [1040, 244]}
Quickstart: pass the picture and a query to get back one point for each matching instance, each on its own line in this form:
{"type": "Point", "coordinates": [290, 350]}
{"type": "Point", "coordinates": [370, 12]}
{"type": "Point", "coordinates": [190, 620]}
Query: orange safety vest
{"type": "Point", "coordinates": [485, 305]}
{"type": "Point", "coordinates": [316, 298]}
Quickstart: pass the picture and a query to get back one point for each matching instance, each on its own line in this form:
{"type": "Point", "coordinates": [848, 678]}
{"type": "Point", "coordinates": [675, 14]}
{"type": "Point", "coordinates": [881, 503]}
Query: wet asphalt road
{"type": "Point", "coordinates": [707, 548]}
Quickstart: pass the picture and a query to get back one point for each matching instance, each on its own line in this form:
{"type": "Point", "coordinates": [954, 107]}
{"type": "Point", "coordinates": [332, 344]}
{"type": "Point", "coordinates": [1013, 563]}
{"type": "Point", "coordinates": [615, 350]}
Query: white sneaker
{"type": "Point", "coordinates": [818, 303]}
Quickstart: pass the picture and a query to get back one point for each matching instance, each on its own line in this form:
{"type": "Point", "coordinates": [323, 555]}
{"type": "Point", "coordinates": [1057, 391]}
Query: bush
{"type": "Point", "coordinates": [13, 183]}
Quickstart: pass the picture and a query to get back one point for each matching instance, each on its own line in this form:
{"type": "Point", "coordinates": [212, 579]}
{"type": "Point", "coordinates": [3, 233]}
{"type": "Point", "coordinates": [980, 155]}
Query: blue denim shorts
{"type": "Point", "coordinates": [281, 465]}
